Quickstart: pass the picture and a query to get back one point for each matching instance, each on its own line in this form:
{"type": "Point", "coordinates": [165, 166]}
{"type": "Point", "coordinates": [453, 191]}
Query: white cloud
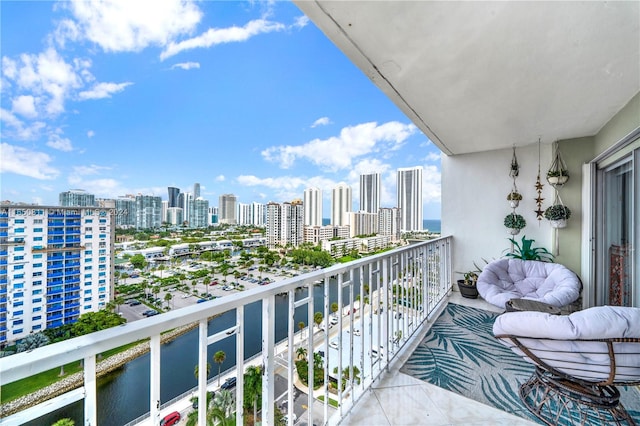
{"type": "Point", "coordinates": [323, 121]}
{"type": "Point", "coordinates": [125, 25]}
{"type": "Point", "coordinates": [24, 105]}
{"type": "Point", "coordinates": [433, 156]}
{"type": "Point", "coordinates": [89, 170]}
{"type": "Point", "coordinates": [338, 152]}
{"type": "Point", "coordinates": [301, 21]}
{"type": "Point", "coordinates": [220, 178]}
{"type": "Point", "coordinates": [103, 90]}
{"type": "Point", "coordinates": [60, 143]}
{"type": "Point", "coordinates": [47, 77]}
{"type": "Point", "coordinates": [15, 128]}
{"type": "Point", "coordinates": [186, 65]}
{"type": "Point", "coordinates": [25, 162]}
{"type": "Point", "coordinates": [287, 188]}
{"type": "Point", "coordinates": [215, 36]}
{"type": "Point", "coordinates": [91, 134]}
{"type": "Point", "coordinates": [431, 185]}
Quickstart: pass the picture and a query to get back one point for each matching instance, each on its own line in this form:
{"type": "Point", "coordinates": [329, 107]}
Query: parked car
{"type": "Point", "coordinates": [201, 300]}
{"type": "Point", "coordinates": [229, 383]}
{"type": "Point", "coordinates": [150, 312]}
{"type": "Point", "coordinates": [134, 302]}
{"type": "Point", "coordinates": [170, 419]}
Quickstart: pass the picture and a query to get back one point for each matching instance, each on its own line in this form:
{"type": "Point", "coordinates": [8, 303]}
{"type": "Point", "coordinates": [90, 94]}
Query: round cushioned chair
{"type": "Point", "coordinates": [506, 279]}
{"type": "Point", "coordinates": [579, 358]}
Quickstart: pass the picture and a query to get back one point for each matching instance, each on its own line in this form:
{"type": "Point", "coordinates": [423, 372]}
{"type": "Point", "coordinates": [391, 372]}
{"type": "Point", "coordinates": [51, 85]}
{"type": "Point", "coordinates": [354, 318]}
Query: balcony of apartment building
{"type": "Point", "coordinates": [515, 74]}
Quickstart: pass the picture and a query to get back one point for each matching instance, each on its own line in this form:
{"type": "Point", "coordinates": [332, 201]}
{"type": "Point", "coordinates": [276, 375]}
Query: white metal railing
{"type": "Point", "coordinates": [384, 300]}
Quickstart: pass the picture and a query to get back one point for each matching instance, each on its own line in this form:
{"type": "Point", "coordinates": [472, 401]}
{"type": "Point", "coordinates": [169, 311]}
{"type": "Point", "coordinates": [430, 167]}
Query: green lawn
{"type": "Point", "coordinates": [332, 402]}
{"type": "Point", "coordinates": [14, 390]}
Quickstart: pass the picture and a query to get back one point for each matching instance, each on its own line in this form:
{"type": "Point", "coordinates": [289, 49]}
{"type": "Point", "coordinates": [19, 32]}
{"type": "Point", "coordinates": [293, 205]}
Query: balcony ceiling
{"type": "Point", "coordinates": [477, 76]}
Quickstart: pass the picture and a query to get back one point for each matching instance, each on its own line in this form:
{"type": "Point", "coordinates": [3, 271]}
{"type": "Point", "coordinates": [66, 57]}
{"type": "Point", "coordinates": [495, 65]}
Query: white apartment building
{"type": "Point", "coordinates": [316, 234]}
{"type": "Point", "coordinates": [243, 214]}
{"type": "Point", "coordinates": [339, 248]}
{"type": "Point", "coordinates": [389, 222]}
{"type": "Point", "coordinates": [312, 207]}
{"type": "Point", "coordinates": [55, 264]}
{"type": "Point", "coordinates": [258, 214]}
{"type": "Point", "coordinates": [341, 204]}
{"type": "Point", "coordinates": [125, 213]}
{"type": "Point", "coordinates": [362, 223]}
{"type": "Point", "coordinates": [409, 193]}
{"type": "Point", "coordinates": [285, 224]}
{"type": "Point", "coordinates": [370, 192]}
{"type": "Point", "coordinates": [175, 216]}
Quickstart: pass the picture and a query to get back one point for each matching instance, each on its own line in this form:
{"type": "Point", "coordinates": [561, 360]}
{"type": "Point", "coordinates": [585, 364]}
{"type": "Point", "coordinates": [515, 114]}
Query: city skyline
{"type": "Point", "coordinates": [243, 98]}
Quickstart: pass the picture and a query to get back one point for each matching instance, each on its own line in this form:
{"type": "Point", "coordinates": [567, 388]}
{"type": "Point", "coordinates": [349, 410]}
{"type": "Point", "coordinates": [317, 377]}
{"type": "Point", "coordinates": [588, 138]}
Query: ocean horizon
{"type": "Point", "coordinates": [433, 225]}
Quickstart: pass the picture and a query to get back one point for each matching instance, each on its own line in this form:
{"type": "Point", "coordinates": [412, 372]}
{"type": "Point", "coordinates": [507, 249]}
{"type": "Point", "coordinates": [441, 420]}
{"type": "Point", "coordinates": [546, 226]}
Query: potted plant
{"type": "Point", "coordinates": [557, 177]}
{"type": "Point", "coordinates": [514, 198]}
{"type": "Point", "coordinates": [526, 251]}
{"type": "Point", "coordinates": [514, 223]}
{"type": "Point", "coordinates": [557, 215]}
{"type": "Point", "coordinates": [467, 286]}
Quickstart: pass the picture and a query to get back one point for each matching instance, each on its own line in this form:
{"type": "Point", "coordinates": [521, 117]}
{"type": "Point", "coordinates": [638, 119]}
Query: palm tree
{"type": "Point", "coordinates": [317, 318]}
{"type": "Point", "coordinates": [301, 352]}
{"type": "Point", "coordinates": [167, 298]}
{"type": "Point", "coordinates": [196, 370]}
{"type": "Point", "coordinates": [221, 409]}
{"type": "Point", "coordinates": [119, 300]}
{"type": "Point", "coordinates": [253, 389]}
{"type": "Point", "coordinates": [301, 325]}
{"type": "Point", "coordinates": [334, 307]}
{"type": "Point", "coordinates": [219, 358]}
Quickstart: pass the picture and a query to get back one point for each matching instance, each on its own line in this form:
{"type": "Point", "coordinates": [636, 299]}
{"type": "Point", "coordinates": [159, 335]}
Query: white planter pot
{"type": "Point", "coordinates": [514, 203]}
{"type": "Point", "coordinates": [562, 223]}
{"type": "Point", "coordinates": [557, 180]}
{"type": "Point", "coordinates": [513, 231]}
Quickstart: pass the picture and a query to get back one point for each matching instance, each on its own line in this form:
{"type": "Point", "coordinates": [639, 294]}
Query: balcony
{"type": "Point", "coordinates": [3, 252]}
{"type": "Point", "coordinates": [55, 256]}
{"type": "Point", "coordinates": [71, 297]}
{"type": "Point", "coordinates": [54, 274]}
{"type": "Point", "coordinates": [54, 317]}
{"type": "Point", "coordinates": [421, 272]}
{"type": "Point", "coordinates": [55, 300]}
{"type": "Point", "coordinates": [56, 232]}
{"type": "Point", "coordinates": [72, 305]}
{"type": "Point", "coordinates": [72, 256]}
{"type": "Point", "coordinates": [72, 240]}
{"type": "Point", "coordinates": [54, 308]}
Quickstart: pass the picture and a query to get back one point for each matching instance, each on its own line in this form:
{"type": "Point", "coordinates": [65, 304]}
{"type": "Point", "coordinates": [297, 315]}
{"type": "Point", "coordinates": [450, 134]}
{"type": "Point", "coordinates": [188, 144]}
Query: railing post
{"type": "Point", "coordinates": [240, 365]}
{"type": "Point", "coordinates": [268, 349]}
{"type": "Point", "coordinates": [90, 392]}
{"type": "Point", "coordinates": [154, 378]}
{"type": "Point", "coordinates": [202, 372]}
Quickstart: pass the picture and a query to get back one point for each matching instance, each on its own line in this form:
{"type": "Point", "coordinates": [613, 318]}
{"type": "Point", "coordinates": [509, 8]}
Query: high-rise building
{"type": "Point", "coordinates": [258, 214]}
{"type": "Point", "coordinates": [389, 221]}
{"type": "Point", "coordinates": [370, 192]}
{"type": "Point", "coordinates": [312, 207]}
{"type": "Point", "coordinates": [57, 266]}
{"type": "Point", "coordinates": [174, 216]}
{"type": "Point", "coordinates": [341, 204]}
{"type": "Point", "coordinates": [199, 214]}
{"type": "Point", "coordinates": [213, 216]}
{"type": "Point", "coordinates": [77, 198]}
{"type": "Point", "coordinates": [174, 193]}
{"type": "Point", "coordinates": [148, 211]}
{"type": "Point", "coordinates": [243, 214]}
{"type": "Point", "coordinates": [196, 191]}
{"type": "Point", "coordinates": [409, 193]}
{"type": "Point", "coordinates": [285, 224]}
{"type": "Point", "coordinates": [227, 209]}
{"type": "Point", "coordinates": [125, 213]}
{"type": "Point", "coordinates": [362, 223]}
{"type": "Point", "coordinates": [187, 207]}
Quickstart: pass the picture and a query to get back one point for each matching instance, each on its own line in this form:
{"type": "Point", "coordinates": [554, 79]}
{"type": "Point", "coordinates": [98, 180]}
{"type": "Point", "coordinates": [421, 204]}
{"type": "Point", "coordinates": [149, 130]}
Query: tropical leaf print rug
{"type": "Point", "coordinates": [461, 355]}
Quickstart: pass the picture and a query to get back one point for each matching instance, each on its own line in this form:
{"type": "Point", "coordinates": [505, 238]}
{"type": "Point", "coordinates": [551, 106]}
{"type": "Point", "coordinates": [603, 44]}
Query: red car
{"type": "Point", "coordinates": [170, 419]}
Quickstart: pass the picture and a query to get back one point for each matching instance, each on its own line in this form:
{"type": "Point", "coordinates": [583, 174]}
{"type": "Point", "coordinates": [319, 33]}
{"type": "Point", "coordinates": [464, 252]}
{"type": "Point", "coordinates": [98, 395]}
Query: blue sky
{"type": "Point", "coordinates": [248, 98]}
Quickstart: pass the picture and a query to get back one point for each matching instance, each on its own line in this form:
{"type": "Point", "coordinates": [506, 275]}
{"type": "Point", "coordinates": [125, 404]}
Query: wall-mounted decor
{"type": "Point", "coordinates": [539, 212]}
{"type": "Point", "coordinates": [558, 173]}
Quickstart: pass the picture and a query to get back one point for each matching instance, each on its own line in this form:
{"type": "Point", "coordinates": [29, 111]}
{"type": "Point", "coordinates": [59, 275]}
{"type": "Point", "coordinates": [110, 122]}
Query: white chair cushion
{"type": "Point", "coordinates": [565, 352]}
{"type": "Point", "coordinates": [506, 279]}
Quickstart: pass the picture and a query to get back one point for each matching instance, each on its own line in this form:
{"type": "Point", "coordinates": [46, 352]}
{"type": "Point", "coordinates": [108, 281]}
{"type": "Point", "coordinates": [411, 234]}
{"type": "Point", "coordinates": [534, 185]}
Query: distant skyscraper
{"type": "Point", "coordinates": [389, 222]}
{"type": "Point", "coordinates": [312, 207]}
{"type": "Point", "coordinates": [196, 191]}
{"type": "Point", "coordinates": [77, 198]}
{"type": "Point", "coordinates": [227, 208]}
{"type": "Point", "coordinates": [148, 212]}
{"type": "Point", "coordinates": [284, 224]}
{"type": "Point", "coordinates": [199, 213]}
{"type": "Point", "coordinates": [243, 214]}
{"type": "Point", "coordinates": [370, 193]}
{"type": "Point", "coordinates": [174, 193]}
{"type": "Point", "coordinates": [258, 214]}
{"type": "Point", "coordinates": [341, 204]}
{"type": "Point", "coordinates": [409, 192]}
{"type": "Point", "coordinates": [126, 212]}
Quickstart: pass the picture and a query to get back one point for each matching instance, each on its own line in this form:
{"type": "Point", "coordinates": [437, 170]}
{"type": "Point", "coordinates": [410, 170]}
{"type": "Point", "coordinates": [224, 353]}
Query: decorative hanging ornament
{"type": "Point", "coordinates": [539, 213]}
{"type": "Point", "coordinates": [515, 167]}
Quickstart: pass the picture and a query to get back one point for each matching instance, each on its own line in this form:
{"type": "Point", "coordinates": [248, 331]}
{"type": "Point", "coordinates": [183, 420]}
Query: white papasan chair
{"type": "Point", "coordinates": [550, 283]}
{"type": "Point", "coordinates": [580, 361]}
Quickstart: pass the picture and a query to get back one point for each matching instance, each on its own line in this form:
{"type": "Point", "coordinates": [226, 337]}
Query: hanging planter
{"type": "Point", "coordinates": [557, 215]}
{"type": "Point", "coordinates": [558, 174]}
{"type": "Point", "coordinates": [514, 198]}
{"type": "Point", "coordinates": [514, 223]}
{"type": "Point", "coordinates": [514, 171]}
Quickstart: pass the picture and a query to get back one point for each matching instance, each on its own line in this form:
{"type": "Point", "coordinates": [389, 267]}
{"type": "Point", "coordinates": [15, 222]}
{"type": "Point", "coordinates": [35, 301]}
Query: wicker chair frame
{"type": "Point", "coordinates": [556, 397]}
